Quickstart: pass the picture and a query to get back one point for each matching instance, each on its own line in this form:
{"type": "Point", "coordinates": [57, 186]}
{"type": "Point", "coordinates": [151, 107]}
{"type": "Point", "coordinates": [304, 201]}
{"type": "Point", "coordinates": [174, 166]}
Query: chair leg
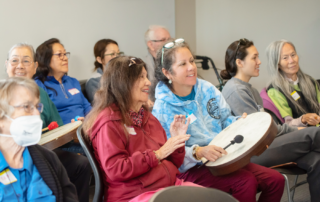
{"type": "Point", "coordinates": [295, 183]}
{"type": "Point", "coordinates": [288, 188]}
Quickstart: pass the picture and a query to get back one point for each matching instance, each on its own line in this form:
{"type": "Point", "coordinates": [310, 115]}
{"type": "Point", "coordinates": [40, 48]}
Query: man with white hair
{"type": "Point", "coordinates": [155, 37]}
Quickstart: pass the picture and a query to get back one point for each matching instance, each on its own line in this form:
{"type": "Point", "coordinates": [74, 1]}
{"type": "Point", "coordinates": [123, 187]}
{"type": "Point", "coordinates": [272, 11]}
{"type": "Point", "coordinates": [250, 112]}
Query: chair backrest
{"type": "Point", "coordinates": [88, 150]}
{"type": "Point", "coordinates": [83, 87]}
{"type": "Point", "coordinates": [191, 194]}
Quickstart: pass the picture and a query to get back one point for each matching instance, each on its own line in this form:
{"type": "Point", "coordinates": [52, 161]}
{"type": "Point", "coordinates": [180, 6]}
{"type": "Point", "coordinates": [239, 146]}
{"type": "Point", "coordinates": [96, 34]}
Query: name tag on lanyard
{"type": "Point", "coordinates": [6, 177]}
{"type": "Point", "coordinates": [295, 95]}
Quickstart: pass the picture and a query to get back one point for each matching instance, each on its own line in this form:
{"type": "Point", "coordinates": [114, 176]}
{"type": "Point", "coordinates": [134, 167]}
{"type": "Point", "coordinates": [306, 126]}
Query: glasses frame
{"type": "Point", "coordinates": [20, 61]}
{"type": "Point", "coordinates": [161, 40]}
{"type": "Point", "coordinates": [172, 44]}
{"type": "Point", "coordinates": [38, 106]}
{"type": "Point", "coordinates": [61, 55]}
{"type": "Point", "coordinates": [118, 54]}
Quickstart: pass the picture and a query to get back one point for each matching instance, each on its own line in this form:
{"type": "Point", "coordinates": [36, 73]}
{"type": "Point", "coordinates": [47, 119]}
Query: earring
{"type": "Point", "coordinates": [170, 82]}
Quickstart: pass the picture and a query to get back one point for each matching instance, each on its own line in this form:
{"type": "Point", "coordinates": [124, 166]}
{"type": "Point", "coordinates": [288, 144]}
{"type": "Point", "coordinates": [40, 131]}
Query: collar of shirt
{"type": "Point", "coordinates": [293, 82]}
{"type": "Point", "coordinates": [27, 162]}
{"type": "Point", "coordinates": [51, 78]}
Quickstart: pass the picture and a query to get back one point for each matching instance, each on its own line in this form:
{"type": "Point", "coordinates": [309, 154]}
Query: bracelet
{"type": "Point", "coordinates": [197, 157]}
{"type": "Point", "coordinates": [155, 153]}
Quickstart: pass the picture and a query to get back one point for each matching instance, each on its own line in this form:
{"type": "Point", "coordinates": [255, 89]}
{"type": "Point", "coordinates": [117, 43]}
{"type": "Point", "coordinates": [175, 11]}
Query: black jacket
{"type": "Point", "coordinates": [53, 173]}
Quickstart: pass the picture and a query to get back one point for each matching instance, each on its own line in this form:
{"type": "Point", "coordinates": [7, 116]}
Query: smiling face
{"type": "Point", "coordinates": [184, 69]}
{"type": "Point", "coordinates": [58, 65]}
{"type": "Point", "coordinates": [289, 60]}
{"type": "Point", "coordinates": [249, 67]}
{"type": "Point", "coordinates": [140, 89]}
{"type": "Point", "coordinates": [21, 63]}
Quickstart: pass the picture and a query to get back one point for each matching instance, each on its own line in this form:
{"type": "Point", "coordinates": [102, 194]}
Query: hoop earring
{"type": "Point", "coordinates": [170, 82]}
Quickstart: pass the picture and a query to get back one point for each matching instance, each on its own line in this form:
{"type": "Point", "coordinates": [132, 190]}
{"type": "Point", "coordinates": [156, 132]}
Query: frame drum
{"type": "Point", "coordinates": [59, 136]}
{"type": "Point", "coordinates": [258, 131]}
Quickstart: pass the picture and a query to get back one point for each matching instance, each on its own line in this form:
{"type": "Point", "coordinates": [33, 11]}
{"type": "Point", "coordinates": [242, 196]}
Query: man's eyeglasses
{"type": "Point", "coordinates": [16, 61]}
{"type": "Point", "coordinates": [161, 40]}
{"type": "Point", "coordinates": [115, 54]}
{"type": "Point", "coordinates": [28, 108]}
{"type": "Point", "coordinates": [134, 61]}
{"type": "Point", "coordinates": [62, 55]}
{"type": "Point", "coordinates": [241, 42]}
{"type": "Point", "coordinates": [170, 45]}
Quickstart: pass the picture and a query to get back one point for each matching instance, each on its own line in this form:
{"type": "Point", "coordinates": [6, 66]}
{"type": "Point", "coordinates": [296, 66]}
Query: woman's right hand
{"type": "Point", "coordinates": [310, 118]}
{"type": "Point", "coordinates": [210, 152]}
{"type": "Point", "coordinates": [171, 145]}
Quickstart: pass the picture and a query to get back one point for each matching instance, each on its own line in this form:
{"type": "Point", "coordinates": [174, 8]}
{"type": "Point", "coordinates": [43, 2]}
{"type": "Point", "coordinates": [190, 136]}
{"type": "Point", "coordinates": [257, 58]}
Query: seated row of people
{"type": "Point", "coordinates": [22, 62]}
{"type": "Point", "coordinates": [291, 144]}
{"type": "Point", "coordinates": [119, 120]}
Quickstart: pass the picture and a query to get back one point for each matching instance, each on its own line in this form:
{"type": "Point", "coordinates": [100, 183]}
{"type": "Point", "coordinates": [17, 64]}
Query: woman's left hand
{"type": "Point", "coordinates": [179, 125]}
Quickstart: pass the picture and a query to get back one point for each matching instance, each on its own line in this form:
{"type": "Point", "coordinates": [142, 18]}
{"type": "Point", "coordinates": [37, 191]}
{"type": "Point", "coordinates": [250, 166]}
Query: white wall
{"type": "Point", "coordinates": [79, 24]}
{"type": "Point", "coordinates": [219, 23]}
{"type": "Point", "coordinates": [186, 21]}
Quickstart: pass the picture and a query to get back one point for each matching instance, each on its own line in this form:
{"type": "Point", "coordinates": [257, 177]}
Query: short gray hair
{"type": "Point", "coordinates": [22, 45]}
{"type": "Point", "coordinates": [7, 90]}
{"type": "Point", "coordinates": [151, 28]}
{"type": "Point", "coordinates": [279, 81]}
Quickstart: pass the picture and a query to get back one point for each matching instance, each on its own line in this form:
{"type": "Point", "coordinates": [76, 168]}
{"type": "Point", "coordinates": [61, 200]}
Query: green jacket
{"type": "Point", "coordinates": [50, 112]}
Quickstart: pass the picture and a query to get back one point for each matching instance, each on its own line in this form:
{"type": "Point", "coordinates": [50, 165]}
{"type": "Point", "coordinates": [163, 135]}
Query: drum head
{"type": "Point", "coordinates": [252, 128]}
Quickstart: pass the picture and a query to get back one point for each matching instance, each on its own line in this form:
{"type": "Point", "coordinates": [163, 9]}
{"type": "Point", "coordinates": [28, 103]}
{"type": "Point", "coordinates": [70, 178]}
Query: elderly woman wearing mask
{"type": "Point", "coordinates": [28, 172]}
{"type": "Point", "coordinates": [21, 63]}
{"type": "Point", "coordinates": [129, 142]}
{"type": "Point", "coordinates": [295, 94]}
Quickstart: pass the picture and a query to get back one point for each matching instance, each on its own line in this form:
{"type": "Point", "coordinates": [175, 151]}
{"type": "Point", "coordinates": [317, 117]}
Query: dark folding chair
{"type": "Point", "coordinates": [88, 150]}
{"type": "Point", "coordinates": [191, 194]}
{"type": "Point", "coordinates": [290, 169]}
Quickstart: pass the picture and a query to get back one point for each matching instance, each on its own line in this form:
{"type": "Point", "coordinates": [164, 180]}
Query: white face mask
{"type": "Point", "coordinates": [25, 130]}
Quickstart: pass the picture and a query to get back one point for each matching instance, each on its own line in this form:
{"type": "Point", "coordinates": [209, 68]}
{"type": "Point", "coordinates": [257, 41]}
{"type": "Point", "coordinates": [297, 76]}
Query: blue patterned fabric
{"type": "Point", "coordinates": [209, 107]}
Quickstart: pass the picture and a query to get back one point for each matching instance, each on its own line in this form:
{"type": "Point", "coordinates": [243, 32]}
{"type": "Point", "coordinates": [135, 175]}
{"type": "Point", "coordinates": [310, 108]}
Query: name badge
{"type": "Point", "coordinates": [192, 117]}
{"type": "Point", "coordinates": [295, 95]}
{"type": "Point", "coordinates": [130, 130]}
{"type": "Point", "coordinates": [73, 91]}
{"type": "Point", "coordinates": [6, 177]}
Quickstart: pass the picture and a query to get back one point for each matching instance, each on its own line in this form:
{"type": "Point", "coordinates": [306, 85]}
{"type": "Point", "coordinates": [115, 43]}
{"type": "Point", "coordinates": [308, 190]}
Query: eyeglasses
{"type": "Point", "coordinates": [134, 61]}
{"type": "Point", "coordinates": [61, 55]}
{"type": "Point", "coordinates": [115, 54]}
{"type": "Point", "coordinates": [241, 42]}
{"type": "Point", "coordinates": [170, 45]}
{"type": "Point", "coordinates": [16, 61]}
{"type": "Point", "coordinates": [161, 40]}
{"type": "Point", "coordinates": [28, 108]}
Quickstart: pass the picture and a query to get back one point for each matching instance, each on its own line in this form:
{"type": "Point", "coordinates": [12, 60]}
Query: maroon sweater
{"type": "Point", "coordinates": [131, 168]}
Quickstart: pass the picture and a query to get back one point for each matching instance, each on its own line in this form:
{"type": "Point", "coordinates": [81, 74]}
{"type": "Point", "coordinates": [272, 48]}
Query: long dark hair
{"type": "Point", "coordinates": [230, 59]}
{"type": "Point", "coordinates": [115, 88]}
{"type": "Point", "coordinates": [43, 57]}
{"type": "Point", "coordinates": [99, 50]}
